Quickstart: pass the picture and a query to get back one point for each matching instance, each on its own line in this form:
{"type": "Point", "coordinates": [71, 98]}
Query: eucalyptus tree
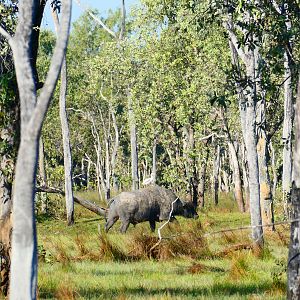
{"type": "Point", "coordinates": [179, 73]}
{"type": "Point", "coordinates": [284, 17]}
{"type": "Point", "coordinates": [293, 288]}
{"type": "Point", "coordinates": [65, 130]}
{"type": "Point", "coordinates": [248, 99]}
{"type": "Point", "coordinates": [33, 110]}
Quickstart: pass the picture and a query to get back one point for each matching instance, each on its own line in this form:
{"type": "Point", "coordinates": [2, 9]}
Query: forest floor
{"type": "Point", "coordinates": [82, 262]}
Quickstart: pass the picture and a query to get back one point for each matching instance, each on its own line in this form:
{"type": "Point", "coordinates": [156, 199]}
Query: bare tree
{"type": "Point", "coordinates": [33, 111]}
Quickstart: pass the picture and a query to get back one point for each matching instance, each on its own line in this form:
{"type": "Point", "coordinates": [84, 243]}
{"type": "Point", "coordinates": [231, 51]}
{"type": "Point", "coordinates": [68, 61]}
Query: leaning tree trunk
{"type": "Point", "coordinates": [293, 267]}
{"type": "Point", "coordinates": [65, 134]}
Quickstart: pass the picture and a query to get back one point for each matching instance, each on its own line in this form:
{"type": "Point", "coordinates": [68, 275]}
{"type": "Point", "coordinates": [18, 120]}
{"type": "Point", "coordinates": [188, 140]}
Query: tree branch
{"type": "Point", "coordinates": [101, 211]}
{"type": "Point", "coordinates": [233, 38]}
{"type": "Point", "coordinates": [123, 21]}
{"type": "Point", "coordinates": [5, 33]}
{"type": "Point", "coordinates": [54, 71]}
{"type": "Point", "coordinates": [276, 6]}
{"type": "Point", "coordinates": [98, 20]}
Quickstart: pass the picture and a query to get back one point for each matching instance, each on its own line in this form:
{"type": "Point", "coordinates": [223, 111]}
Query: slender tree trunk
{"type": "Point", "coordinates": [65, 135]}
{"type": "Point", "coordinates": [202, 179]}
{"type": "Point", "coordinates": [154, 156]}
{"type": "Point", "coordinates": [238, 190]}
{"type": "Point", "coordinates": [43, 177]}
{"type": "Point", "coordinates": [66, 146]}
{"type": "Point", "coordinates": [224, 172]}
{"type": "Point", "coordinates": [134, 148]}
{"type": "Point", "coordinates": [254, 188]}
{"type": "Point", "coordinates": [264, 177]}
{"type": "Point", "coordinates": [107, 170]}
{"type": "Point", "coordinates": [115, 152]}
{"type": "Point", "coordinates": [293, 267]}
{"type": "Point", "coordinates": [275, 179]}
{"type": "Point", "coordinates": [247, 105]}
{"type": "Point", "coordinates": [287, 133]}
{"type": "Point", "coordinates": [88, 171]}
{"type": "Point", "coordinates": [216, 175]}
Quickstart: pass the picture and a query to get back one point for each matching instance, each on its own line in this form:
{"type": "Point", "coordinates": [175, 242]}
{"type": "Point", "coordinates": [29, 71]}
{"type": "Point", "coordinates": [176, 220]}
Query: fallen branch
{"type": "Point", "coordinates": [162, 226]}
{"type": "Point", "coordinates": [101, 211]}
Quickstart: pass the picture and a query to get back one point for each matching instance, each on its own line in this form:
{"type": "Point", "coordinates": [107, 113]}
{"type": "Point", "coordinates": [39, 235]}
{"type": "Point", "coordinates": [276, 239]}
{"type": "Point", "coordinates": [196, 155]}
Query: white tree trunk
{"type": "Point", "coordinates": [247, 106]}
{"type": "Point", "coordinates": [24, 244]}
{"type": "Point", "coordinates": [293, 266]}
{"type": "Point", "coordinates": [133, 143]}
{"type": "Point", "coordinates": [287, 132]}
{"type": "Point", "coordinates": [43, 176]}
{"type": "Point", "coordinates": [66, 145]}
{"type": "Point", "coordinates": [65, 134]}
{"type": "Point", "coordinates": [154, 156]}
{"type": "Point", "coordinates": [216, 172]}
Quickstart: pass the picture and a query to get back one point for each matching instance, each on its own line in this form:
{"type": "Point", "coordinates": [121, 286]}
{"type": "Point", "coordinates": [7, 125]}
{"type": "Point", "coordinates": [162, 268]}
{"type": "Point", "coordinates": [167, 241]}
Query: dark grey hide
{"type": "Point", "coordinates": [150, 204]}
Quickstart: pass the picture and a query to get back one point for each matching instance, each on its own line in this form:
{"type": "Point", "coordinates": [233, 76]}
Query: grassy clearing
{"type": "Point", "coordinates": [79, 263]}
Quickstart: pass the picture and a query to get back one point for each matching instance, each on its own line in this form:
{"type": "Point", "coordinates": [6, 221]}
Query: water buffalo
{"type": "Point", "coordinates": [150, 204]}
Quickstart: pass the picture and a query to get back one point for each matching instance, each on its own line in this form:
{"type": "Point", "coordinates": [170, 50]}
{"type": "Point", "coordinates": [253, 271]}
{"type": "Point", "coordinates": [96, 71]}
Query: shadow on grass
{"type": "Point", "coordinates": [42, 217]}
{"type": "Point", "coordinates": [217, 290]}
{"type": "Point", "coordinates": [90, 220]}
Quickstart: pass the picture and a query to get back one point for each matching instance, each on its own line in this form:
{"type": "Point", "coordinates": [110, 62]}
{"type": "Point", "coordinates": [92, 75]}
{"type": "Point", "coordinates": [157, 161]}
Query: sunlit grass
{"type": "Point", "coordinates": [79, 262]}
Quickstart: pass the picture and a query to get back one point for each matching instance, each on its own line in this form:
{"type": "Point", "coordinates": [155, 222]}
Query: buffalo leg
{"type": "Point", "coordinates": [110, 223]}
{"type": "Point", "coordinates": [124, 226]}
{"type": "Point", "coordinates": [152, 225]}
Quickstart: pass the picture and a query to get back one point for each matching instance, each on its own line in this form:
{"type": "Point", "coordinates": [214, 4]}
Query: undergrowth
{"type": "Point", "coordinates": [83, 262]}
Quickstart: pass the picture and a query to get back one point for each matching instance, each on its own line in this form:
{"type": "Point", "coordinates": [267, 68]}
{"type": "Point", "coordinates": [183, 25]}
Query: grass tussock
{"type": "Point", "coordinates": [199, 268]}
{"type": "Point", "coordinates": [229, 237]}
{"type": "Point", "coordinates": [231, 250]}
{"type": "Point", "coordinates": [61, 253]}
{"type": "Point", "coordinates": [80, 243]}
{"type": "Point", "coordinates": [108, 250]}
{"type": "Point", "coordinates": [239, 266]}
{"type": "Point", "coordinates": [189, 242]}
{"type": "Point", "coordinates": [65, 291]}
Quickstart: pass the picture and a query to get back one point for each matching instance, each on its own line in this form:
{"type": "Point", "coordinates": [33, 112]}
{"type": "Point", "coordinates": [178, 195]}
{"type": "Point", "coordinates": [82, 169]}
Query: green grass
{"type": "Point", "coordinates": [73, 264]}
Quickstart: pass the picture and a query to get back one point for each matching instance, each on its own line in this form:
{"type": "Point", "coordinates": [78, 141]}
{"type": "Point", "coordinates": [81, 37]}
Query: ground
{"type": "Point", "coordinates": [82, 262]}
